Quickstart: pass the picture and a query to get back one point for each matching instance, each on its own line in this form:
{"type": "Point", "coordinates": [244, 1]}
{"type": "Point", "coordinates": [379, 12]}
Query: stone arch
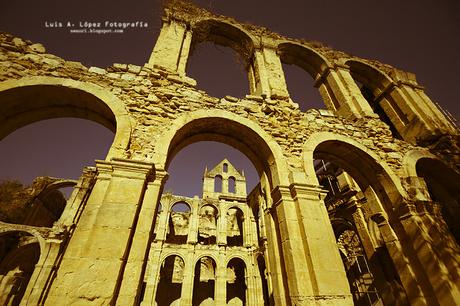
{"type": "Point", "coordinates": [376, 87]}
{"type": "Point", "coordinates": [237, 272]}
{"type": "Point", "coordinates": [234, 130]}
{"type": "Point", "coordinates": [311, 62]}
{"type": "Point", "coordinates": [178, 223]}
{"type": "Point", "coordinates": [170, 279]}
{"type": "Point", "coordinates": [347, 152]}
{"type": "Point", "coordinates": [365, 73]}
{"type": "Point", "coordinates": [49, 190]}
{"type": "Point", "coordinates": [212, 256]}
{"type": "Point", "coordinates": [19, 260]}
{"type": "Point", "coordinates": [172, 253]}
{"type": "Point", "coordinates": [306, 58]}
{"type": "Point", "coordinates": [205, 279]}
{"type": "Point", "coordinates": [57, 97]}
{"type": "Point", "coordinates": [181, 202]}
{"type": "Point", "coordinates": [237, 256]}
{"type": "Point", "coordinates": [411, 158]}
{"type": "Point", "coordinates": [223, 33]}
{"type": "Point", "coordinates": [208, 220]}
{"type": "Point", "coordinates": [235, 226]}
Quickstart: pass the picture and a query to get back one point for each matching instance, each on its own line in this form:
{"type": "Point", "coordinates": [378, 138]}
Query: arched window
{"type": "Point", "coordinates": [301, 67]}
{"type": "Point", "coordinates": [234, 227]}
{"type": "Point", "coordinates": [236, 282]}
{"type": "Point", "coordinates": [231, 185]}
{"type": "Point", "coordinates": [204, 282]}
{"type": "Point", "coordinates": [225, 167]}
{"type": "Point", "coordinates": [208, 225]}
{"type": "Point", "coordinates": [218, 183]}
{"type": "Point", "coordinates": [219, 47]}
{"type": "Point", "coordinates": [179, 219]}
{"type": "Point", "coordinates": [170, 281]}
{"type": "Point", "coordinates": [371, 273]}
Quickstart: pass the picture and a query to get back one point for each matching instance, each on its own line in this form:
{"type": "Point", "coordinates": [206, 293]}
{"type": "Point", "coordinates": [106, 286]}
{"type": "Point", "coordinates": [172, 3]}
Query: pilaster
{"type": "Point", "coordinates": [97, 252]}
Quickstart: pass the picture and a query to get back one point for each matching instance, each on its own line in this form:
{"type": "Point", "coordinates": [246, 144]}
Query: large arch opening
{"type": "Point", "coordinates": [220, 59]}
{"type": "Point", "coordinates": [373, 85]}
{"type": "Point", "coordinates": [251, 141]}
{"type": "Point", "coordinates": [302, 67]}
{"type": "Point", "coordinates": [204, 282]}
{"type": "Point", "coordinates": [235, 234]}
{"type": "Point", "coordinates": [19, 253]}
{"type": "Point", "coordinates": [236, 282]}
{"type": "Point", "coordinates": [444, 188]}
{"type": "Point", "coordinates": [207, 228]}
{"type": "Point", "coordinates": [170, 281]}
{"type": "Point", "coordinates": [52, 127]}
{"type": "Point", "coordinates": [360, 191]}
{"type": "Point", "coordinates": [178, 223]}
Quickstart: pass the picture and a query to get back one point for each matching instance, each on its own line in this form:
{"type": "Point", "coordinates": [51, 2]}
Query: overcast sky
{"type": "Point", "coordinates": [419, 36]}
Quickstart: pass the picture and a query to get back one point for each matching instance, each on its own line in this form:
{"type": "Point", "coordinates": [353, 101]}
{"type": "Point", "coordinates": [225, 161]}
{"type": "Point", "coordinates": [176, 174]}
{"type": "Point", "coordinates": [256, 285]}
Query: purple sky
{"type": "Point", "coordinates": [421, 36]}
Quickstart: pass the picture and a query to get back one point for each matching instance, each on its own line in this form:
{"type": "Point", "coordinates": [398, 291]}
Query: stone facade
{"type": "Point", "coordinates": [370, 182]}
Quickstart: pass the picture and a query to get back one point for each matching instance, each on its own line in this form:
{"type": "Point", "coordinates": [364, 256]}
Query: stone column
{"type": "Point", "coordinates": [220, 290]}
{"type": "Point", "coordinates": [276, 271]}
{"type": "Point", "coordinates": [259, 76]}
{"type": "Point", "coordinates": [221, 235]}
{"type": "Point", "coordinates": [76, 202]}
{"type": "Point", "coordinates": [194, 222]}
{"type": "Point", "coordinates": [326, 273]}
{"type": "Point", "coordinates": [189, 277]}
{"type": "Point", "coordinates": [274, 72]}
{"type": "Point", "coordinates": [97, 252]}
{"type": "Point", "coordinates": [172, 47]}
{"type": "Point", "coordinates": [138, 253]}
{"type": "Point", "coordinates": [162, 226]}
{"type": "Point", "coordinates": [345, 94]}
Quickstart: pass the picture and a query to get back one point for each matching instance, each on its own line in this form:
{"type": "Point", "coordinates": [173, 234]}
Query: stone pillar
{"type": "Point", "coordinates": [423, 117]}
{"type": "Point", "coordinates": [133, 273]}
{"type": "Point", "coordinates": [277, 274]}
{"type": "Point", "coordinates": [162, 226]}
{"type": "Point", "coordinates": [172, 47]}
{"type": "Point", "coordinates": [189, 277]}
{"type": "Point", "coordinates": [44, 270]}
{"type": "Point", "coordinates": [259, 76]}
{"type": "Point", "coordinates": [345, 95]}
{"type": "Point", "coordinates": [221, 235]}
{"type": "Point", "coordinates": [152, 274]}
{"type": "Point", "coordinates": [76, 202]}
{"type": "Point", "coordinates": [274, 72]}
{"type": "Point", "coordinates": [220, 290]}
{"type": "Point", "coordinates": [194, 222]}
{"type": "Point", "coordinates": [97, 252]}
{"type": "Point", "coordinates": [326, 273]}
{"type": "Point", "coordinates": [434, 276]}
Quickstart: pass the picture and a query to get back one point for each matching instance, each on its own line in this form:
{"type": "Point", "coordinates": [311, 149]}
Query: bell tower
{"type": "Point", "coordinates": [224, 181]}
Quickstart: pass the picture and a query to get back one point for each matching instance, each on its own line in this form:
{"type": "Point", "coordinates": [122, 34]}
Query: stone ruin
{"type": "Point", "coordinates": [357, 203]}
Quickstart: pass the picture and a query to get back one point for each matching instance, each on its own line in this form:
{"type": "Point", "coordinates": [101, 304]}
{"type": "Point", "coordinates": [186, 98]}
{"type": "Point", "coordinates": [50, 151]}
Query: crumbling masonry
{"type": "Point", "coordinates": [357, 203]}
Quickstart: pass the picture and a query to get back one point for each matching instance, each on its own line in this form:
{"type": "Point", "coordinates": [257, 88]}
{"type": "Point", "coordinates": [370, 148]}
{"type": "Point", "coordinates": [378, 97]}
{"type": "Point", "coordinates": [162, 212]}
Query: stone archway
{"type": "Point", "coordinates": [32, 99]}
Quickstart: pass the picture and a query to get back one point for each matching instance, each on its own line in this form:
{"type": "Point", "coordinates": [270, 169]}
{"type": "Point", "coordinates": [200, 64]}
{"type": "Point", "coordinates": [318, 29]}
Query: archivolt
{"type": "Point", "coordinates": [222, 126]}
{"type": "Point", "coordinates": [32, 99]}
